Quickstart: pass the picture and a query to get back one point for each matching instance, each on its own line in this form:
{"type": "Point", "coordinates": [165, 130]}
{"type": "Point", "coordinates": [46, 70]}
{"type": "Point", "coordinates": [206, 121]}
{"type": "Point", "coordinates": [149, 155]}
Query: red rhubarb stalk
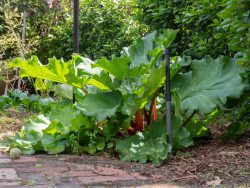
{"type": "Point", "coordinates": [154, 111]}
{"type": "Point", "coordinates": [139, 120]}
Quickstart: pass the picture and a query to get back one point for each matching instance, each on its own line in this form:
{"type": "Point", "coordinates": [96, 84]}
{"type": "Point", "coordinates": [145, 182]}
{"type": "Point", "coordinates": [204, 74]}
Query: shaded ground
{"type": "Point", "coordinates": [11, 121]}
{"type": "Point", "coordinates": [207, 163]}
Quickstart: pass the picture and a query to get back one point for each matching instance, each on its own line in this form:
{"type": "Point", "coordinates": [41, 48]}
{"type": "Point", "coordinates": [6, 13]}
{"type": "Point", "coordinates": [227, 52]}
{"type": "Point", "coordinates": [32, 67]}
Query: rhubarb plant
{"type": "Point", "coordinates": [120, 94]}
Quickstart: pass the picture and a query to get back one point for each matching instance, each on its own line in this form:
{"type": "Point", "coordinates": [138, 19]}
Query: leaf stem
{"type": "Point", "coordinates": [152, 105]}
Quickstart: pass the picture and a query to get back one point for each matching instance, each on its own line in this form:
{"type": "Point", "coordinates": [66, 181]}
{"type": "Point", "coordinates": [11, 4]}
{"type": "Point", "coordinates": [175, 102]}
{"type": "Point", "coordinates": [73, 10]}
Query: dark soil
{"type": "Point", "coordinates": [205, 163]}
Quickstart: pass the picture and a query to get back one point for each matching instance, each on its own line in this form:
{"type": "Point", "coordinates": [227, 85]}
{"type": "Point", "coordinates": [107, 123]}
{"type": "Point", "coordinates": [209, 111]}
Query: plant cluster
{"type": "Point", "coordinates": [105, 27]}
{"type": "Point", "coordinates": [119, 97]}
{"type": "Point", "coordinates": [24, 101]}
{"type": "Point", "coordinates": [214, 27]}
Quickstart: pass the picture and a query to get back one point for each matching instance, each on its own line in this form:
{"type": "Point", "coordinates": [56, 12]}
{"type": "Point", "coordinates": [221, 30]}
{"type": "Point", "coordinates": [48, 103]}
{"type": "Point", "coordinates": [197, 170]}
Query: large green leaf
{"type": "Point", "coordinates": [61, 116]}
{"type": "Point", "coordinates": [26, 146]}
{"type": "Point", "coordinates": [138, 52]}
{"type": "Point", "coordinates": [102, 81]}
{"type": "Point", "coordinates": [55, 70]}
{"type": "Point", "coordinates": [101, 105]}
{"type": "Point", "coordinates": [140, 57]}
{"type": "Point", "coordinates": [53, 144]}
{"type": "Point", "coordinates": [117, 123]}
{"type": "Point", "coordinates": [181, 136]}
{"type": "Point", "coordinates": [81, 122]}
{"type": "Point", "coordinates": [208, 85]}
{"type": "Point", "coordinates": [117, 67]}
{"type": "Point", "coordinates": [151, 145]}
{"type": "Point", "coordinates": [139, 91]}
{"type": "Point", "coordinates": [147, 50]}
{"type": "Point", "coordinates": [36, 127]}
{"type": "Point", "coordinates": [64, 90]}
{"type": "Point", "coordinates": [166, 38]}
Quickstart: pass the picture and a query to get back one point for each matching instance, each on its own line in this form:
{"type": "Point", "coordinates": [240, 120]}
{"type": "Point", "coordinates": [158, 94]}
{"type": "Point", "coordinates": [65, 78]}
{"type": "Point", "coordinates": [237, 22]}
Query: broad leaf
{"type": "Point", "coordinates": [102, 81]}
{"type": "Point", "coordinates": [140, 91]}
{"type": "Point", "coordinates": [151, 145]}
{"type": "Point", "coordinates": [101, 105]}
{"type": "Point", "coordinates": [64, 90]}
{"type": "Point", "coordinates": [53, 144]}
{"type": "Point", "coordinates": [147, 50]}
{"type": "Point", "coordinates": [55, 70]}
{"type": "Point", "coordinates": [117, 67]}
{"type": "Point", "coordinates": [26, 146]}
{"type": "Point", "coordinates": [138, 52]}
{"type": "Point", "coordinates": [62, 116]}
{"type": "Point", "coordinates": [36, 127]}
{"type": "Point", "coordinates": [208, 85]}
{"type": "Point", "coordinates": [181, 136]}
{"type": "Point", "coordinates": [81, 122]}
{"type": "Point", "coordinates": [117, 123]}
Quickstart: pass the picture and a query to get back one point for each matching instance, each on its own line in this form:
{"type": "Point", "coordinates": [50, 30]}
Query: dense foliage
{"type": "Point", "coordinates": [214, 27]}
{"type": "Point", "coordinates": [116, 95]}
{"type": "Point", "coordinates": [105, 27]}
{"type": "Point", "coordinates": [118, 90]}
{"type": "Point", "coordinates": [17, 98]}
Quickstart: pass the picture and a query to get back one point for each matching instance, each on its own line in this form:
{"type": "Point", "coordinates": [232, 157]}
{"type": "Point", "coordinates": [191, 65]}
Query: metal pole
{"type": "Point", "coordinates": [76, 32]}
{"type": "Point", "coordinates": [168, 98]}
{"type": "Point", "coordinates": [23, 40]}
{"type": "Point", "coordinates": [76, 27]}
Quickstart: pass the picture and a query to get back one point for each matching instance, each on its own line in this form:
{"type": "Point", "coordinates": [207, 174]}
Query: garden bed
{"type": "Point", "coordinates": [214, 161]}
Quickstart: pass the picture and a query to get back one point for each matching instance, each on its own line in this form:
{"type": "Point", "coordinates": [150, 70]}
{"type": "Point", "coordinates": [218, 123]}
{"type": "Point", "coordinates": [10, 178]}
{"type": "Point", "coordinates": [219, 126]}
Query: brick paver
{"type": "Point", "coordinates": [25, 160]}
{"type": "Point", "coordinates": [8, 174]}
{"type": "Point", "coordinates": [4, 160]}
{"type": "Point", "coordinates": [78, 173]}
{"type": "Point", "coordinates": [10, 184]}
{"type": "Point", "coordinates": [98, 179]}
{"type": "Point", "coordinates": [52, 171]}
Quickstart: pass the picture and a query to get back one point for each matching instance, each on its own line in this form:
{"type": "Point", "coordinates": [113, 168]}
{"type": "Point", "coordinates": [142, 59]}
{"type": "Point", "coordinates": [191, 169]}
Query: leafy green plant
{"type": "Point", "coordinates": [208, 84]}
{"type": "Point", "coordinates": [198, 91]}
{"type": "Point", "coordinates": [117, 94]}
{"type": "Point", "coordinates": [235, 20]}
{"type": "Point", "coordinates": [21, 99]}
{"type": "Point", "coordinates": [135, 75]}
{"type": "Point", "coordinates": [207, 27]}
{"type": "Point", "coordinates": [57, 131]}
{"type": "Point", "coordinates": [151, 145]}
{"type": "Point", "coordinates": [238, 118]}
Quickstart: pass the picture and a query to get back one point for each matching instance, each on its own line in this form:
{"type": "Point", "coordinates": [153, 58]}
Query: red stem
{"type": "Point", "coordinates": [139, 120]}
{"type": "Point", "coordinates": [154, 111]}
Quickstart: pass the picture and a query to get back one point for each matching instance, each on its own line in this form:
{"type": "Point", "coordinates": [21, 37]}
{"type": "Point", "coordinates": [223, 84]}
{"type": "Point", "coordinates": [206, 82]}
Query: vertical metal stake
{"type": "Point", "coordinates": [76, 32]}
{"type": "Point", "coordinates": [76, 27]}
{"type": "Point", "coordinates": [168, 97]}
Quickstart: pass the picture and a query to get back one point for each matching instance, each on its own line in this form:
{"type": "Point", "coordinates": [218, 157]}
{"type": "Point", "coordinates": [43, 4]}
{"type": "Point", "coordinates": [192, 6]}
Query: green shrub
{"type": "Point", "coordinates": [214, 27]}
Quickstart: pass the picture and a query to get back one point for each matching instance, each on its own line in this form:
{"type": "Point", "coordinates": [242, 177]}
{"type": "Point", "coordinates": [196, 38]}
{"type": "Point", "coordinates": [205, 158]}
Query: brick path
{"type": "Point", "coordinates": [45, 171]}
